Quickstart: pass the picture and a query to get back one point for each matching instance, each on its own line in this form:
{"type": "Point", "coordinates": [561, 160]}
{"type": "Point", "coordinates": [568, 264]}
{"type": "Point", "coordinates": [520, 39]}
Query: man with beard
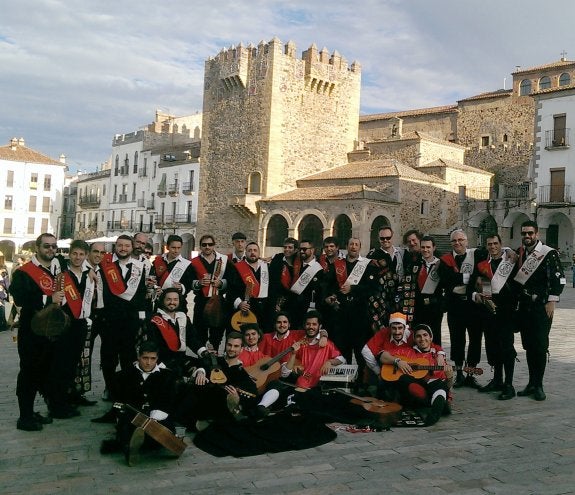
{"type": "Point", "coordinates": [124, 294]}
{"type": "Point", "coordinates": [33, 288]}
{"type": "Point", "coordinates": [351, 281]}
{"type": "Point", "coordinates": [491, 287]}
{"type": "Point", "coordinates": [540, 281]}
{"type": "Point", "coordinates": [211, 397]}
{"type": "Point", "coordinates": [306, 287]}
{"type": "Point", "coordinates": [281, 274]}
{"type": "Point", "coordinates": [211, 275]}
{"type": "Point", "coordinates": [172, 270]}
{"type": "Point", "coordinates": [250, 286]}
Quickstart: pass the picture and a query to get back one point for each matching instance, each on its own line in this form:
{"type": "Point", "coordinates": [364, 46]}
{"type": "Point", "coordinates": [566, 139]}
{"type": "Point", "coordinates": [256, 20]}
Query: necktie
{"type": "Point", "coordinates": [422, 277]}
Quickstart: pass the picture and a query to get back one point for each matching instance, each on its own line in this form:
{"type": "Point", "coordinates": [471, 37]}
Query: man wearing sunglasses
{"type": "Point", "coordinates": [33, 288]}
{"type": "Point", "coordinates": [540, 281]}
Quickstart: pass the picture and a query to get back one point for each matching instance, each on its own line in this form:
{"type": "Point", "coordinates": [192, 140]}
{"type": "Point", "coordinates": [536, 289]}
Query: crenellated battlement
{"type": "Point", "coordinates": [236, 64]}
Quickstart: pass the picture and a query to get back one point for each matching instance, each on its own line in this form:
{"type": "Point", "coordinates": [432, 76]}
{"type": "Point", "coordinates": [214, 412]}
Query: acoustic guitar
{"type": "Point", "coordinates": [240, 317]}
{"type": "Point", "coordinates": [267, 369]}
{"type": "Point", "coordinates": [371, 404]}
{"type": "Point", "coordinates": [420, 369]}
{"type": "Point", "coordinates": [154, 429]}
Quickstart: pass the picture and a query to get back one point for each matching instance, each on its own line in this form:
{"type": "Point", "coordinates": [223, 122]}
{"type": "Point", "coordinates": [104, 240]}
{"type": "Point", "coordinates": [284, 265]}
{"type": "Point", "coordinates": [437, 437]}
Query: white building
{"type": "Point", "coordinates": [553, 172]}
{"type": "Point", "coordinates": [32, 186]}
{"type": "Point", "coordinates": [150, 187]}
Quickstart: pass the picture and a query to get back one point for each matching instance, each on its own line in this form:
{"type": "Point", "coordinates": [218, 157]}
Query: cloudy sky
{"type": "Point", "coordinates": [76, 72]}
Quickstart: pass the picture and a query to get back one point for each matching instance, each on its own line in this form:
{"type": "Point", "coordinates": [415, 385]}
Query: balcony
{"type": "Point", "coordinates": [188, 188]}
{"type": "Point", "coordinates": [557, 139]}
{"type": "Point", "coordinates": [162, 191]}
{"type": "Point", "coordinates": [89, 201]}
{"type": "Point", "coordinates": [150, 204]}
{"type": "Point", "coordinates": [142, 172]}
{"type": "Point", "coordinates": [120, 225]}
{"type": "Point", "coordinates": [123, 198]}
{"type": "Point", "coordinates": [170, 221]}
{"type": "Point", "coordinates": [557, 194]}
{"type": "Point", "coordinates": [125, 170]}
{"type": "Point", "coordinates": [173, 189]}
{"type": "Point", "coordinates": [141, 203]}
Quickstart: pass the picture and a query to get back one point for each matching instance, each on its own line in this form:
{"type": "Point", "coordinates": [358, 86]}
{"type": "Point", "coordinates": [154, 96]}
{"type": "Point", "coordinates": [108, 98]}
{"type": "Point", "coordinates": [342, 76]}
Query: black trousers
{"type": "Point", "coordinates": [534, 325]}
{"type": "Point", "coordinates": [462, 320]}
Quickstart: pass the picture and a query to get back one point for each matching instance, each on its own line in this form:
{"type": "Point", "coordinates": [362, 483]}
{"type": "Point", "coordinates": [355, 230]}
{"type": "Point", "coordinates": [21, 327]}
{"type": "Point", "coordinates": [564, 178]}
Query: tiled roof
{"type": "Point", "coordinates": [553, 90]}
{"type": "Point", "coordinates": [408, 113]}
{"type": "Point", "coordinates": [371, 169]}
{"type": "Point", "coordinates": [490, 94]}
{"type": "Point", "coordinates": [552, 65]}
{"type": "Point", "coordinates": [19, 153]}
{"type": "Point", "coordinates": [319, 193]}
{"type": "Point", "coordinates": [453, 164]}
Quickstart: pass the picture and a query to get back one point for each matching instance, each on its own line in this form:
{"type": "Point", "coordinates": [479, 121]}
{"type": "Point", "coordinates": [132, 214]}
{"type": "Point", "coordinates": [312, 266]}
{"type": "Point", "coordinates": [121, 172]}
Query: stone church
{"type": "Point", "coordinates": [286, 153]}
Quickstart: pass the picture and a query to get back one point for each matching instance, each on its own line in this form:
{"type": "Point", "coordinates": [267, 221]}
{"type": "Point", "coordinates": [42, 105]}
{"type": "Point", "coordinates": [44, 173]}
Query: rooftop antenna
{"type": "Point", "coordinates": [563, 56]}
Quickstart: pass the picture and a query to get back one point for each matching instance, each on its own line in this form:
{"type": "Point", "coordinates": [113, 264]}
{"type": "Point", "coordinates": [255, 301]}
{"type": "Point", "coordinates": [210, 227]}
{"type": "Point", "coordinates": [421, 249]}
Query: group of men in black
{"type": "Point", "coordinates": [139, 309]}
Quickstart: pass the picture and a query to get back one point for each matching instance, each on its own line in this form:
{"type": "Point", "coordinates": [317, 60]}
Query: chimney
{"type": "Point", "coordinates": [63, 158]}
{"type": "Point", "coordinates": [21, 141]}
{"type": "Point", "coordinates": [13, 143]}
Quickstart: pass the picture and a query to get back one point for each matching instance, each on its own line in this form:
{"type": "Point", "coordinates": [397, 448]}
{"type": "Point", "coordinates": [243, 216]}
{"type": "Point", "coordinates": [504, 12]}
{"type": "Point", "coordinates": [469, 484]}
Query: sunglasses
{"type": "Point", "coordinates": [385, 238]}
{"type": "Point", "coordinates": [304, 249]}
{"type": "Point", "coordinates": [527, 233]}
{"type": "Point", "coordinates": [207, 244]}
{"type": "Point", "coordinates": [50, 246]}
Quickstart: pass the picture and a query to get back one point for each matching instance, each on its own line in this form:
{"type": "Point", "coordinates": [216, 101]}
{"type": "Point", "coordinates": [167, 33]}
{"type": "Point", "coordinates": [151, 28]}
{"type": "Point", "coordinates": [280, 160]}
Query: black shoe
{"type": "Point", "coordinates": [507, 393]}
{"type": "Point", "coordinates": [436, 411]}
{"type": "Point", "coordinates": [261, 412]}
{"type": "Point", "coordinates": [43, 420]}
{"type": "Point", "coordinates": [65, 413]}
{"type": "Point", "coordinates": [538, 394]}
{"type": "Point", "coordinates": [110, 446]}
{"type": "Point", "coordinates": [492, 386]}
{"type": "Point", "coordinates": [527, 391]}
{"type": "Point", "coordinates": [459, 380]}
{"type": "Point", "coordinates": [471, 382]}
{"type": "Point", "coordinates": [28, 424]}
{"type": "Point", "coordinates": [109, 417]}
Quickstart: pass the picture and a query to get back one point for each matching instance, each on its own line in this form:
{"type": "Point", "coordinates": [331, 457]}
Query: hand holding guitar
{"type": "Point", "coordinates": [201, 378]}
{"type": "Point", "coordinates": [58, 297]}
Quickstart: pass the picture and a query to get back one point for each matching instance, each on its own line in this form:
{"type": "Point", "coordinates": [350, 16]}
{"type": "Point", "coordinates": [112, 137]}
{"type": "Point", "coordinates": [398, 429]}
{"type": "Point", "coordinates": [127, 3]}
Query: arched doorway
{"type": "Point", "coordinates": [487, 226]}
{"type": "Point", "coordinates": [311, 228]}
{"type": "Point", "coordinates": [342, 230]}
{"type": "Point", "coordinates": [277, 231]}
{"type": "Point", "coordinates": [378, 222]}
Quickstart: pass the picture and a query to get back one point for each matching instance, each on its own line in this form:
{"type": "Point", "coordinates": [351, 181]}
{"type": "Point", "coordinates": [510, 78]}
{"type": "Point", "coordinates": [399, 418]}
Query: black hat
{"type": "Point", "coordinates": [239, 235]}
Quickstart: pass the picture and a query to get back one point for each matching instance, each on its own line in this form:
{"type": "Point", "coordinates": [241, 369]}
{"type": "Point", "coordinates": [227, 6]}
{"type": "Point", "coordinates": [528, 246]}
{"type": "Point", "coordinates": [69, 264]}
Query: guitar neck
{"type": "Point", "coordinates": [430, 367]}
{"type": "Point", "coordinates": [279, 356]}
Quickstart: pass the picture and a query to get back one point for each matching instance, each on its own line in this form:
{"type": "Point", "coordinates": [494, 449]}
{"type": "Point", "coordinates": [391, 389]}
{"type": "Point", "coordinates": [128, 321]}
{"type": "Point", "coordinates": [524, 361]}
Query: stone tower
{"type": "Point", "coordinates": [270, 118]}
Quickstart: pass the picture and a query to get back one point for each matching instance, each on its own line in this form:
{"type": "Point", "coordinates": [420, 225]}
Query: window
{"type": "Point", "coordinates": [424, 208]}
{"type": "Point", "coordinates": [103, 189]}
{"type": "Point", "coordinates": [10, 178]}
{"type": "Point", "coordinates": [32, 203]}
{"type": "Point", "coordinates": [7, 202]}
{"type": "Point", "coordinates": [192, 180]}
{"type": "Point", "coordinates": [564, 79]}
{"type": "Point", "coordinates": [31, 222]}
{"type": "Point", "coordinates": [545, 82]}
{"type": "Point", "coordinates": [7, 226]}
{"type": "Point", "coordinates": [505, 138]}
{"type": "Point", "coordinates": [117, 165]}
{"type": "Point", "coordinates": [115, 193]}
{"type": "Point", "coordinates": [559, 123]}
{"type": "Point", "coordinates": [154, 171]}
{"type": "Point", "coordinates": [34, 181]}
{"type": "Point", "coordinates": [484, 141]}
{"type": "Point", "coordinates": [525, 87]}
{"type": "Point", "coordinates": [134, 191]}
{"type": "Point", "coordinates": [47, 182]}
{"type": "Point", "coordinates": [44, 225]}
{"type": "Point", "coordinates": [255, 183]}
{"type": "Point", "coordinates": [46, 204]}
{"type": "Point", "coordinates": [136, 162]}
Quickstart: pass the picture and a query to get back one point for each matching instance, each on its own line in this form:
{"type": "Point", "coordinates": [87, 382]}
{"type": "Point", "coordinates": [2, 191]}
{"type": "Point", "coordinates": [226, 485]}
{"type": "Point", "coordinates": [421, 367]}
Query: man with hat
{"type": "Point", "coordinates": [239, 243]}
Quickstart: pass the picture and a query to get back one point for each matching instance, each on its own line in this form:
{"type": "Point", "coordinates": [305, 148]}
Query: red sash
{"type": "Point", "coordinates": [73, 296]}
{"type": "Point", "coordinates": [113, 275]}
{"type": "Point", "coordinates": [287, 279]}
{"type": "Point", "coordinates": [484, 268]}
{"type": "Point", "coordinates": [161, 269]}
{"type": "Point", "coordinates": [248, 277]}
{"type": "Point", "coordinates": [449, 260]}
{"type": "Point", "coordinates": [201, 271]}
{"type": "Point", "coordinates": [43, 279]}
{"type": "Point", "coordinates": [323, 262]}
{"type": "Point", "coordinates": [168, 332]}
{"type": "Point", "coordinates": [340, 271]}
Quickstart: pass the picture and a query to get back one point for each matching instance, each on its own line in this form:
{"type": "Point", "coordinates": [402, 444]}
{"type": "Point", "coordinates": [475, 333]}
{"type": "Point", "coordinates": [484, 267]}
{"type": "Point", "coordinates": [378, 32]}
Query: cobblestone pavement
{"type": "Point", "coordinates": [485, 447]}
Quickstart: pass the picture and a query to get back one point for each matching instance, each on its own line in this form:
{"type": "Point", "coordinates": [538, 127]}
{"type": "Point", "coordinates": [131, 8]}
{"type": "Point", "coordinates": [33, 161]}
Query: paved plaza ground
{"type": "Point", "coordinates": [485, 447]}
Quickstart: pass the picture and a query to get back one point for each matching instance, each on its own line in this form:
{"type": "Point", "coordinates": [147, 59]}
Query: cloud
{"type": "Point", "coordinates": [76, 73]}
